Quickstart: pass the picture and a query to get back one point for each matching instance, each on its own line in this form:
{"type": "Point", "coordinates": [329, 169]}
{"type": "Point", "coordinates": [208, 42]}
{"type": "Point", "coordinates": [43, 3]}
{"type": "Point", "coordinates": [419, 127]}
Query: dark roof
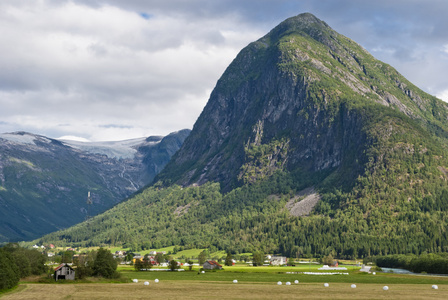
{"type": "Point", "coordinates": [63, 265]}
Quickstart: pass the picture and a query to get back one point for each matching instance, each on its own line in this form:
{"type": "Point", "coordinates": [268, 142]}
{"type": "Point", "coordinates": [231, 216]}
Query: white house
{"type": "Point", "coordinates": [278, 260]}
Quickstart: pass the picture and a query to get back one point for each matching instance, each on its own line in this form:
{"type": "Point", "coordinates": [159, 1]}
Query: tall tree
{"type": "Point", "coordinates": [229, 260]}
{"type": "Point", "coordinates": [257, 259]}
{"type": "Point", "coordinates": [105, 264]}
{"type": "Point", "coordinates": [202, 257]}
{"type": "Point", "coordinates": [9, 272]}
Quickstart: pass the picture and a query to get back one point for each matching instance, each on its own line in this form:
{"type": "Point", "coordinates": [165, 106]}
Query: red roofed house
{"type": "Point", "coordinates": [64, 271]}
{"type": "Point", "coordinates": [211, 264]}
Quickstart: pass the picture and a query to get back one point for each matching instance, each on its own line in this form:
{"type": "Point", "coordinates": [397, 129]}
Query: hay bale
{"type": "Point", "coordinates": [296, 281]}
{"type": "Point", "coordinates": [146, 283]}
{"type": "Point", "coordinates": [374, 273]}
{"type": "Point", "coordinates": [326, 284]}
{"type": "Point", "coordinates": [288, 283]}
{"type": "Point", "coordinates": [385, 288]}
{"type": "Point", "coordinates": [235, 281]}
{"type": "Point", "coordinates": [202, 272]}
{"type": "Point", "coordinates": [435, 287]}
{"type": "Point", "coordinates": [135, 280]}
{"type": "Point", "coordinates": [279, 283]}
{"type": "Point", "coordinates": [353, 286]}
{"type": "Point", "coordinates": [156, 280]}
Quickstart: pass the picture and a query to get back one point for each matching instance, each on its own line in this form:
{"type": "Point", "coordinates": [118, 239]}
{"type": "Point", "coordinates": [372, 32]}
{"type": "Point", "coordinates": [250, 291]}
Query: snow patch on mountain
{"type": "Point", "coordinates": [118, 149]}
{"type": "Point", "coordinates": [23, 138]}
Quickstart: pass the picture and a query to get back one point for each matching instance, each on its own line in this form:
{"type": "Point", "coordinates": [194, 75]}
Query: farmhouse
{"type": "Point", "coordinates": [278, 260]}
{"type": "Point", "coordinates": [211, 264]}
{"type": "Point", "coordinates": [64, 271]}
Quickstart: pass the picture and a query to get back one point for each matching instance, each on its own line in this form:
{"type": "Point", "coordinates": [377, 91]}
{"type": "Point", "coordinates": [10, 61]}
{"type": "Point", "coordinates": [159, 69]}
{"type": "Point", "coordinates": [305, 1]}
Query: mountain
{"type": "Point", "coordinates": [300, 87]}
{"type": "Point", "coordinates": [44, 182]}
{"type": "Point", "coordinates": [308, 145]}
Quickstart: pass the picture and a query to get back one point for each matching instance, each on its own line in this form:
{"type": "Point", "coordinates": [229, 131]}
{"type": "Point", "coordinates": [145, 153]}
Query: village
{"type": "Point", "coordinates": [66, 260]}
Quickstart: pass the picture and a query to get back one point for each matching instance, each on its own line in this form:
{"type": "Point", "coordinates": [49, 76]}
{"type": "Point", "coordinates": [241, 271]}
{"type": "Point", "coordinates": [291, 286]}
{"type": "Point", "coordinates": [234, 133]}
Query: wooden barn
{"type": "Point", "coordinates": [211, 264]}
{"type": "Point", "coordinates": [64, 271]}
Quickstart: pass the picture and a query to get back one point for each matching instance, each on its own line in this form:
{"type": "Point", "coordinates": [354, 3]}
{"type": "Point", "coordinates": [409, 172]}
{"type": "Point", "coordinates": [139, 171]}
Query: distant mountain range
{"type": "Point", "coordinates": [307, 146]}
{"type": "Point", "coordinates": [44, 182]}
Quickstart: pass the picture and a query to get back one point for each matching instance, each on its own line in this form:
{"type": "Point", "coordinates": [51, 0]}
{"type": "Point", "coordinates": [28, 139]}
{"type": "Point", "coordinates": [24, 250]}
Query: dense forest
{"type": "Point", "coordinates": [17, 262]}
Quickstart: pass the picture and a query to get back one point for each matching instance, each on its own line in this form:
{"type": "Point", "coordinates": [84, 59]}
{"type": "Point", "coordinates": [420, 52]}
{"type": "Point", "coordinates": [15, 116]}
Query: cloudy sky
{"type": "Point", "coordinates": [119, 69]}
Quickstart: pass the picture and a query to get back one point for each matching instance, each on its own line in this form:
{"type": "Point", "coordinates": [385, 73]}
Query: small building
{"type": "Point", "coordinates": [211, 264]}
{"type": "Point", "coordinates": [64, 271]}
{"type": "Point", "coordinates": [278, 260]}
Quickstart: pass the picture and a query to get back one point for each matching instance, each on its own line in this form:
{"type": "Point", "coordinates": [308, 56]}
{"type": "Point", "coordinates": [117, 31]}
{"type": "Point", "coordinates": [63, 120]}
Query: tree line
{"type": "Point", "coordinates": [428, 263]}
{"type": "Point", "coordinates": [17, 262]}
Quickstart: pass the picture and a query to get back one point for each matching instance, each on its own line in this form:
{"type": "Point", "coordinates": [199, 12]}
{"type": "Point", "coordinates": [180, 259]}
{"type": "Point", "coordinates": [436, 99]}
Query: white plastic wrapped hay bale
{"type": "Point", "coordinates": [326, 284]}
{"type": "Point", "coordinates": [353, 286]}
{"type": "Point", "coordinates": [288, 283]}
{"type": "Point", "coordinates": [156, 280]}
{"type": "Point", "coordinates": [385, 288]}
{"type": "Point", "coordinates": [146, 283]}
{"type": "Point", "coordinates": [279, 283]}
{"type": "Point", "coordinates": [435, 287]}
{"type": "Point", "coordinates": [235, 281]}
{"type": "Point", "coordinates": [134, 280]}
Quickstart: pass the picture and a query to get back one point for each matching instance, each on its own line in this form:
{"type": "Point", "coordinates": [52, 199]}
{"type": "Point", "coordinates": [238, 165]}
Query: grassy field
{"type": "Point", "coordinates": [225, 290]}
{"type": "Point", "coordinates": [253, 283]}
{"type": "Point", "coordinates": [247, 274]}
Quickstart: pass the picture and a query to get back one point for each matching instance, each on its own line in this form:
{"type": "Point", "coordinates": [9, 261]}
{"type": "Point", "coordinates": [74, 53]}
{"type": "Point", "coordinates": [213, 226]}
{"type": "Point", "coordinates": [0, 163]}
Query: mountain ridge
{"type": "Point", "coordinates": [44, 181]}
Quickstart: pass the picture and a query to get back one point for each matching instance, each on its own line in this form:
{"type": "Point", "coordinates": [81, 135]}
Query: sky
{"type": "Point", "coordinates": [107, 70]}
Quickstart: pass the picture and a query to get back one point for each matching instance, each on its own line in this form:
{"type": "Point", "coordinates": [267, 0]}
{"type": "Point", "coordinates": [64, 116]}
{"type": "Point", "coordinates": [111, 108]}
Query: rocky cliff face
{"type": "Point", "coordinates": [44, 182]}
{"type": "Point", "coordinates": [293, 100]}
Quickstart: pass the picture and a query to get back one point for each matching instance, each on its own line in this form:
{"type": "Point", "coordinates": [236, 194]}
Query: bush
{"type": "Point", "coordinates": [173, 265]}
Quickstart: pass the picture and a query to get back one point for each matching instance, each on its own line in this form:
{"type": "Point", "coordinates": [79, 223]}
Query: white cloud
{"type": "Point", "coordinates": [87, 66]}
{"type": "Point", "coordinates": [443, 95]}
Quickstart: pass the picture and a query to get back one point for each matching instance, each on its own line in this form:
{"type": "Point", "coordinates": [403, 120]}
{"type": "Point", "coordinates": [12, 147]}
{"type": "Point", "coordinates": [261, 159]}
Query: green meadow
{"type": "Point", "coordinates": [253, 283]}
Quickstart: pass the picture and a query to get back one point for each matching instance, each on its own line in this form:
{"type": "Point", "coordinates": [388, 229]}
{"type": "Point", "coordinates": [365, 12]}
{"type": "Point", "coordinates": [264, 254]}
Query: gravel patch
{"type": "Point", "coordinates": [303, 203]}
